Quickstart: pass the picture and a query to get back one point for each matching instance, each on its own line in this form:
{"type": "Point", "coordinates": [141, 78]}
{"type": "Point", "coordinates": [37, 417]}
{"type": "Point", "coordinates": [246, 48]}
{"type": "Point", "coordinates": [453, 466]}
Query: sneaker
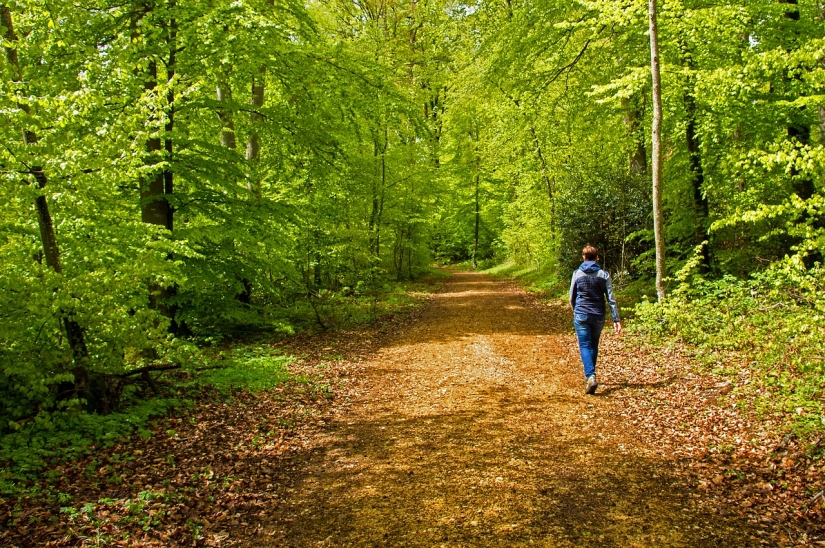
{"type": "Point", "coordinates": [592, 385]}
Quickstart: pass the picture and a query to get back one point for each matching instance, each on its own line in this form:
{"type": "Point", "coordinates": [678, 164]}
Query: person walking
{"type": "Point", "coordinates": [588, 288]}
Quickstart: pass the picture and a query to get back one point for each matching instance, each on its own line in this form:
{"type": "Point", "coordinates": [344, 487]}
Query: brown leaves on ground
{"type": "Point", "coordinates": [463, 424]}
{"type": "Point", "coordinates": [746, 464]}
{"type": "Point", "coordinates": [201, 475]}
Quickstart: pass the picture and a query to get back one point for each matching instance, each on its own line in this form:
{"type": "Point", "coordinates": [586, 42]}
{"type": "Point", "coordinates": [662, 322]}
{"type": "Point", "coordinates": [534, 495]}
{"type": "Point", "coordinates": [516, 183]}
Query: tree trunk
{"type": "Point", "coordinates": [398, 255]}
{"type": "Point", "coordinates": [409, 252]}
{"type": "Point", "coordinates": [168, 175]}
{"type": "Point", "coordinates": [155, 208]}
{"type": "Point", "coordinates": [381, 197]}
{"type": "Point", "coordinates": [700, 202]}
{"type": "Point", "coordinates": [475, 236]}
{"type": "Point", "coordinates": [548, 186]}
{"type": "Point", "coordinates": [374, 212]}
{"type": "Point", "coordinates": [379, 183]}
{"type": "Point", "coordinates": [75, 334]}
{"type": "Point", "coordinates": [253, 146]}
{"type": "Point", "coordinates": [637, 157]}
{"type": "Point", "coordinates": [224, 93]}
{"type": "Point", "coordinates": [656, 167]}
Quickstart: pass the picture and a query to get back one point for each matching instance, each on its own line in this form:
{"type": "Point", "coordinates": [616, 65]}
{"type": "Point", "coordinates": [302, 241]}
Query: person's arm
{"type": "Point", "coordinates": [572, 294]}
{"type": "Point", "coordinates": [611, 300]}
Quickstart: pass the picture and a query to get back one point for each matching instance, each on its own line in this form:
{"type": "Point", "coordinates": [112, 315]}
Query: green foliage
{"type": "Point", "coordinates": [102, 101]}
{"type": "Point", "coordinates": [31, 445]}
{"type": "Point", "coordinates": [185, 171]}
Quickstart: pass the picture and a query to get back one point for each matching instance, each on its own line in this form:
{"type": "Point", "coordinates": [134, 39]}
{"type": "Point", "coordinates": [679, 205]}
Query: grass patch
{"type": "Point", "coordinates": [252, 368]}
{"type": "Point", "coordinates": [536, 279]}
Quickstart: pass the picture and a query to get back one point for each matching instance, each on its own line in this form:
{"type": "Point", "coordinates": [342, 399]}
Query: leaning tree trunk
{"type": "Point", "coordinates": [656, 164]}
{"type": "Point", "coordinates": [75, 334]}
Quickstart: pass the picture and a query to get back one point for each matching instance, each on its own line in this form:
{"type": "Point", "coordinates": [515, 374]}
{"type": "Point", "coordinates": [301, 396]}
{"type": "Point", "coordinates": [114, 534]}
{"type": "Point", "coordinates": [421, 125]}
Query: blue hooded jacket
{"type": "Point", "coordinates": [588, 288]}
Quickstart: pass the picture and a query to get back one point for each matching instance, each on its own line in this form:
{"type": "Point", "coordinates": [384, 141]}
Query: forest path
{"type": "Point", "coordinates": [471, 428]}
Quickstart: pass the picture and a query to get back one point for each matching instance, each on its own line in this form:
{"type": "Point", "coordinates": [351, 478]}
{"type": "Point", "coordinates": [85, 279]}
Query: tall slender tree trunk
{"type": "Point", "coordinates": [224, 95]}
{"type": "Point", "coordinates": [253, 146]}
{"type": "Point", "coordinates": [656, 167]}
{"type": "Point", "coordinates": [155, 191]}
{"type": "Point", "coordinates": [637, 156]}
{"type": "Point", "coordinates": [545, 173]}
{"type": "Point", "coordinates": [155, 208]}
{"type": "Point", "coordinates": [75, 333]}
{"type": "Point", "coordinates": [379, 182]}
{"type": "Point", "coordinates": [700, 202]}
{"type": "Point", "coordinates": [409, 252]}
{"type": "Point", "coordinates": [168, 174]}
{"type": "Point", "coordinates": [478, 222]}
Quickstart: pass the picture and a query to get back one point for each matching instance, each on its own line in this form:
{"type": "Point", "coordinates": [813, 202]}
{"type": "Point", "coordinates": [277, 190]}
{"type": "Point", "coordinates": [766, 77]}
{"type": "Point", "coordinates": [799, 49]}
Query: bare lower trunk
{"type": "Point", "coordinates": [656, 167]}
{"type": "Point", "coordinates": [475, 238]}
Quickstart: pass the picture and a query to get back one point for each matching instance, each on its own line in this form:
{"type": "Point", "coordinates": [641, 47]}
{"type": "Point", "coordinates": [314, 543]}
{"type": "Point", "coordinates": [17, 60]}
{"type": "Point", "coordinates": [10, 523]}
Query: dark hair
{"type": "Point", "coordinates": [590, 253]}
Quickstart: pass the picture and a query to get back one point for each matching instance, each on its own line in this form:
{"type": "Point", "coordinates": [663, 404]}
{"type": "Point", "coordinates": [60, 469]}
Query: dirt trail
{"type": "Point", "coordinates": [471, 429]}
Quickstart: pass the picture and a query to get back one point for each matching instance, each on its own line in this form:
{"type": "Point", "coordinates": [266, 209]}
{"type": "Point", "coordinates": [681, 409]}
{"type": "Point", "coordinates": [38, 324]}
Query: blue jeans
{"type": "Point", "coordinates": [588, 330]}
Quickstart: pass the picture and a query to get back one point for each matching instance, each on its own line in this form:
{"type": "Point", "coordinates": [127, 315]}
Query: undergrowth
{"type": "Point", "coordinates": [765, 333]}
{"type": "Point", "coordinates": [69, 434]}
{"type": "Point", "coordinates": [246, 362]}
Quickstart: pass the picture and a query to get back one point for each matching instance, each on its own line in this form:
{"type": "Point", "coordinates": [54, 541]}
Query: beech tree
{"type": "Point", "coordinates": [656, 169]}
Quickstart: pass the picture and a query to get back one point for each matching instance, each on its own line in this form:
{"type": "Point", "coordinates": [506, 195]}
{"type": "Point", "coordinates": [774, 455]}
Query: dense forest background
{"type": "Point", "coordinates": [179, 171]}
